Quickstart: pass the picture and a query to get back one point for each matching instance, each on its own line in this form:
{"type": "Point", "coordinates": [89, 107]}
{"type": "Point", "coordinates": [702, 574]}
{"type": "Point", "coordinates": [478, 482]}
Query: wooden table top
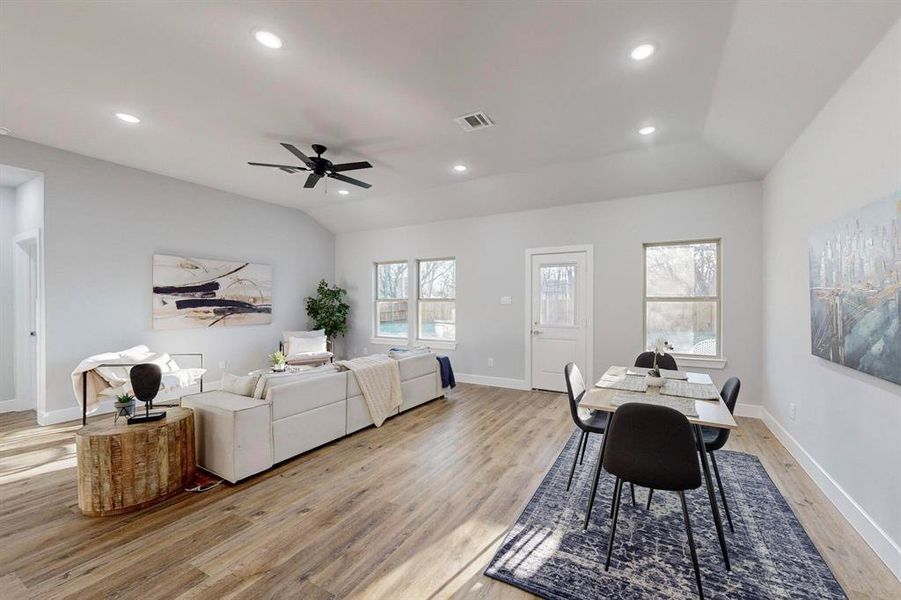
{"type": "Point", "coordinates": [107, 427]}
{"type": "Point", "coordinates": [712, 413]}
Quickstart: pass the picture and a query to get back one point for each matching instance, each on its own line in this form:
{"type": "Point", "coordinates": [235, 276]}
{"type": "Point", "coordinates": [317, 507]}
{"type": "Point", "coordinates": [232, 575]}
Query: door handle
{"type": "Point", "coordinates": [32, 333]}
{"type": "Point", "coordinates": [536, 332]}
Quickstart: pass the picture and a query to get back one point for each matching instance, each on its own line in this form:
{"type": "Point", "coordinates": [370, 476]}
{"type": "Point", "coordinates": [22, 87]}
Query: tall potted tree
{"type": "Point", "coordinates": [329, 311]}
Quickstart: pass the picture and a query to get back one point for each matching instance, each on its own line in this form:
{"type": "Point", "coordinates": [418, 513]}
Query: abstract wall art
{"type": "Point", "coordinates": [200, 292]}
{"type": "Point", "coordinates": [855, 289]}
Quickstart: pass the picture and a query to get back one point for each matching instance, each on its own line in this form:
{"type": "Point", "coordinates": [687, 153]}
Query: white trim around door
{"type": "Point", "coordinates": [588, 250]}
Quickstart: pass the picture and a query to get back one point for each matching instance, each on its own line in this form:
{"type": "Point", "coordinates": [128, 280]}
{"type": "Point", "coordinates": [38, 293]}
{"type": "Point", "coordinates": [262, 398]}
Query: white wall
{"type": "Point", "coordinates": [7, 307]}
{"type": "Point", "coordinates": [103, 223]}
{"type": "Point", "coordinates": [490, 253]}
{"type": "Point", "coordinates": [847, 428]}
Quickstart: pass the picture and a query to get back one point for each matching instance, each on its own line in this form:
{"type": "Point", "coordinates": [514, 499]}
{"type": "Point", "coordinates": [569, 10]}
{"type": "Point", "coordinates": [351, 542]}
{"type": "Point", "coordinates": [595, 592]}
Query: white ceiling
{"type": "Point", "coordinates": [729, 89]}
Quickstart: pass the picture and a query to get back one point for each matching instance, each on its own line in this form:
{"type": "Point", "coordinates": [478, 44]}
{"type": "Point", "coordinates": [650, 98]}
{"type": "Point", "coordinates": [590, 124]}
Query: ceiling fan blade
{"type": "Point", "coordinates": [351, 166]}
{"type": "Point", "coordinates": [293, 150]}
{"type": "Point", "coordinates": [282, 167]}
{"type": "Point", "coordinates": [311, 180]}
{"type": "Point", "coordinates": [349, 180]}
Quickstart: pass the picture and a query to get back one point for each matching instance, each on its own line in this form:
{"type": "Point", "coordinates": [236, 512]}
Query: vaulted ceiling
{"type": "Point", "coordinates": [729, 88]}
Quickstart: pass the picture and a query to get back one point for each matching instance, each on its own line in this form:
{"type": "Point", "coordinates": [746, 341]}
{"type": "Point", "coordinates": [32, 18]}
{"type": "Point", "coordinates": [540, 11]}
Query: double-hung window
{"type": "Point", "coordinates": [682, 296]}
{"type": "Point", "coordinates": [436, 302]}
{"type": "Point", "coordinates": [391, 300]}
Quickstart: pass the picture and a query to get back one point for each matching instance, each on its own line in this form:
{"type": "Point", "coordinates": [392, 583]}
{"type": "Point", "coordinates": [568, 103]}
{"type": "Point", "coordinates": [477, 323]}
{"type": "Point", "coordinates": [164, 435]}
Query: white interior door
{"type": "Point", "coordinates": [559, 323]}
{"type": "Point", "coordinates": [27, 282]}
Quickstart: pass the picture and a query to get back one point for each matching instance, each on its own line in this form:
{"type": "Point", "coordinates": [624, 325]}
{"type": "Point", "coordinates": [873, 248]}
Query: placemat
{"type": "Point", "coordinates": [683, 405]}
{"type": "Point", "coordinates": [685, 389]}
{"type": "Point", "coordinates": [623, 382]}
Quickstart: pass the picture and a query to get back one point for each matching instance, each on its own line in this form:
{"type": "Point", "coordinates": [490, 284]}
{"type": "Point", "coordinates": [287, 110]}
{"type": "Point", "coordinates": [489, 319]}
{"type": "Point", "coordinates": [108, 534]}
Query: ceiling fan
{"type": "Point", "coordinates": [319, 167]}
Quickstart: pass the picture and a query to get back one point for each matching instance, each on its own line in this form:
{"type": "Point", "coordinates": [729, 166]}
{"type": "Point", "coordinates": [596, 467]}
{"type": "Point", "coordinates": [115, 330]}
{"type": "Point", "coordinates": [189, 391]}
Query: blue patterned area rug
{"type": "Point", "coordinates": [548, 554]}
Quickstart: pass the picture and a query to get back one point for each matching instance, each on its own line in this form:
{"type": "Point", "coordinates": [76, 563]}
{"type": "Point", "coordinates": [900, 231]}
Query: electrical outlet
{"type": "Point", "coordinates": [223, 364]}
{"type": "Point", "coordinates": [791, 411]}
{"type": "Point", "coordinates": [490, 362]}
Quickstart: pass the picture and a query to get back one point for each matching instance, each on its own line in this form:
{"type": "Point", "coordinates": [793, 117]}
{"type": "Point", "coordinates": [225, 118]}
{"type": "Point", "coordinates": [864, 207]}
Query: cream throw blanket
{"type": "Point", "coordinates": [379, 379]}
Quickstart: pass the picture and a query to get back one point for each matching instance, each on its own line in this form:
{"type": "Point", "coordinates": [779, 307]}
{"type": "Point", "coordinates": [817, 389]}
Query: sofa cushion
{"type": "Point", "coordinates": [412, 367]}
{"type": "Point", "coordinates": [306, 394]}
{"type": "Point", "coordinates": [268, 380]}
{"type": "Point", "coordinates": [238, 384]}
{"type": "Point", "coordinates": [222, 401]}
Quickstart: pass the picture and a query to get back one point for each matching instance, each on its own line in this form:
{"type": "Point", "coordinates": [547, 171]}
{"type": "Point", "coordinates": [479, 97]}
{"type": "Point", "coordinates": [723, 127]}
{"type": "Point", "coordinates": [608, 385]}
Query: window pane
{"type": "Point", "coordinates": [682, 270]}
{"type": "Point", "coordinates": [391, 319]}
{"type": "Point", "coordinates": [438, 320]}
{"type": "Point", "coordinates": [438, 278]}
{"type": "Point", "coordinates": [392, 281]}
{"type": "Point", "coordinates": [557, 298]}
{"type": "Point", "coordinates": [689, 326]}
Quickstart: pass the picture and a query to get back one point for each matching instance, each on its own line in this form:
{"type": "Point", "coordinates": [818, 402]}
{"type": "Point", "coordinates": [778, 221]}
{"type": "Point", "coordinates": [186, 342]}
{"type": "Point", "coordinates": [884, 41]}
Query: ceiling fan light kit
{"type": "Point", "coordinates": [319, 167]}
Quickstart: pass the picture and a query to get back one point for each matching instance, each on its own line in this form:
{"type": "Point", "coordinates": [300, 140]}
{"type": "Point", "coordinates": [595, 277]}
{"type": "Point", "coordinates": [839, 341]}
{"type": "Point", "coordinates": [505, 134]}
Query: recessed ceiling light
{"type": "Point", "coordinates": [268, 39]}
{"type": "Point", "coordinates": [642, 52]}
{"type": "Point", "coordinates": [459, 168]}
{"type": "Point", "coordinates": [128, 118]}
{"type": "Point", "coordinates": [5, 131]}
{"type": "Point", "coordinates": [343, 192]}
{"type": "Point", "coordinates": [647, 130]}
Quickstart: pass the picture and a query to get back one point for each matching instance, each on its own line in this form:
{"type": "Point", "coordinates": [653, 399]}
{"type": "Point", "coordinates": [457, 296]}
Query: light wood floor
{"type": "Point", "coordinates": [414, 509]}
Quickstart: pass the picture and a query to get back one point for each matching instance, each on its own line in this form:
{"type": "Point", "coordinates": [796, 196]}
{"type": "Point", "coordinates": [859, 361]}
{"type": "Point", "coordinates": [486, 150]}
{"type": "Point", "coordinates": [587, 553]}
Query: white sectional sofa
{"type": "Point", "coordinates": [238, 436]}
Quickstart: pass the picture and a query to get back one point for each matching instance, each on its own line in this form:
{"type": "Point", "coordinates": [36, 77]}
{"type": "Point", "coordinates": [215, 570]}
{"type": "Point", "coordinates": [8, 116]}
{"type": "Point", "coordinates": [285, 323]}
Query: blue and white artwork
{"type": "Point", "coordinates": [855, 290]}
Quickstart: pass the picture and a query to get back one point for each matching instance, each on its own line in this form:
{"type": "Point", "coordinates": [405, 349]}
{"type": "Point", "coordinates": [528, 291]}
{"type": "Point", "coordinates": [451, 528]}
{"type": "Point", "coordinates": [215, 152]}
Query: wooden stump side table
{"type": "Point", "coordinates": [122, 467]}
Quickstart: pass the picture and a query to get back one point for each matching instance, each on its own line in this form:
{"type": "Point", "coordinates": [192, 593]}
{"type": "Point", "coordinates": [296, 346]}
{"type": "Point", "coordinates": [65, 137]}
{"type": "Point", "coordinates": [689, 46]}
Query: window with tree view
{"type": "Point", "coordinates": [682, 296]}
{"type": "Point", "coordinates": [437, 306]}
{"type": "Point", "coordinates": [391, 300]}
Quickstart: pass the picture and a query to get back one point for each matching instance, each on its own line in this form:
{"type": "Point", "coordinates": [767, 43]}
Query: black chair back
{"type": "Point", "coordinates": [145, 381]}
{"type": "Point", "coordinates": [729, 394]}
{"type": "Point", "coordinates": [575, 388]}
{"type": "Point", "coordinates": [645, 360]}
{"type": "Point", "coordinates": [652, 446]}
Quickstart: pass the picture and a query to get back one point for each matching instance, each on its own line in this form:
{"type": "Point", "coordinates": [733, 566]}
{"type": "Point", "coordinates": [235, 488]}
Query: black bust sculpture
{"type": "Point", "coordinates": [145, 381]}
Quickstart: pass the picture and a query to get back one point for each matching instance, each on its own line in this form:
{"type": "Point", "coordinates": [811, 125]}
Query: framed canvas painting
{"type": "Point", "coordinates": [201, 292]}
{"type": "Point", "coordinates": [855, 290]}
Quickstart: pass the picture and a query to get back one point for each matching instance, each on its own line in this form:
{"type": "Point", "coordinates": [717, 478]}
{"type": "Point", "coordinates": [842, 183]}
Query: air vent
{"type": "Point", "coordinates": [476, 120]}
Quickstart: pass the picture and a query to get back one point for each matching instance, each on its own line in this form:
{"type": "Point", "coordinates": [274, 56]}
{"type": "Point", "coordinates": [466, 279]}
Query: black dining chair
{"type": "Point", "coordinates": [652, 446]}
{"type": "Point", "coordinates": [714, 438]}
{"type": "Point", "coordinates": [594, 422]}
{"type": "Point", "coordinates": [645, 360]}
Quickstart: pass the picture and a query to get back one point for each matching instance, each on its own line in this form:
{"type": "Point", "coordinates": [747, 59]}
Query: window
{"type": "Point", "coordinates": [437, 307]}
{"type": "Point", "coordinates": [391, 314]}
{"type": "Point", "coordinates": [682, 296]}
{"type": "Point", "coordinates": [557, 295]}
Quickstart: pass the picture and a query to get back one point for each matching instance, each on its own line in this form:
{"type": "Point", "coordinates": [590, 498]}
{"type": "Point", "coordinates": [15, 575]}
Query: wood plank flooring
{"type": "Point", "coordinates": [414, 509]}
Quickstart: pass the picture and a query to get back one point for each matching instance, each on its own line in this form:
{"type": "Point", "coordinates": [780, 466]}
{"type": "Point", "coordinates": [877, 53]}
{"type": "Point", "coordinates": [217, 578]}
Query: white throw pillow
{"type": "Point", "coordinates": [287, 335]}
{"type": "Point", "coordinates": [299, 345]}
{"type": "Point", "coordinates": [238, 384]}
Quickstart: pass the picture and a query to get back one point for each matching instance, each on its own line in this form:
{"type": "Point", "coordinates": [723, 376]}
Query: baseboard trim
{"type": "Point", "coordinates": [753, 411]}
{"type": "Point", "coordinates": [881, 543]}
{"type": "Point", "coordinates": [502, 382]}
{"type": "Point", "coordinates": [9, 405]}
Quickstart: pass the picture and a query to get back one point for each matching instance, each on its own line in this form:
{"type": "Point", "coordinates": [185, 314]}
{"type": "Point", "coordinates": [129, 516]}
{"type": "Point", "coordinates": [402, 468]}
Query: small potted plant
{"type": "Point", "coordinates": [278, 361]}
{"type": "Point", "coordinates": [125, 404]}
{"type": "Point", "coordinates": [653, 378]}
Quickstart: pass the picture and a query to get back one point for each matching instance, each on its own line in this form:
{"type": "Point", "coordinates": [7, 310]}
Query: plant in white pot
{"type": "Point", "coordinates": [278, 361]}
{"type": "Point", "coordinates": [124, 405]}
{"type": "Point", "coordinates": [660, 347]}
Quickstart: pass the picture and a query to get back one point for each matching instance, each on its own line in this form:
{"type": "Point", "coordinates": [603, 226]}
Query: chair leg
{"type": "Point", "coordinates": [691, 545]}
{"type": "Point", "coordinates": [650, 495]}
{"type": "Point", "coordinates": [719, 482]}
{"type": "Point", "coordinates": [617, 494]}
{"type": "Point", "coordinates": [632, 491]}
{"type": "Point", "coordinates": [576, 459]}
{"type": "Point", "coordinates": [584, 448]}
{"type": "Point", "coordinates": [594, 484]}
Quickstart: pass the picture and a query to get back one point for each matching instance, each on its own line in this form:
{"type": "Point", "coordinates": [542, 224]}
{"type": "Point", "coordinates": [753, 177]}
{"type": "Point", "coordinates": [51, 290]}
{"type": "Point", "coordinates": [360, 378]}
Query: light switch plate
{"type": "Point", "coordinates": [506, 299]}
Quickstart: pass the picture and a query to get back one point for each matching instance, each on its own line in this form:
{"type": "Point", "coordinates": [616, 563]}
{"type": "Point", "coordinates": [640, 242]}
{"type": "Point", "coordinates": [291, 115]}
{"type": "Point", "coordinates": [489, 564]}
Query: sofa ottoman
{"type": "Point", "coordinates": [233, 433]}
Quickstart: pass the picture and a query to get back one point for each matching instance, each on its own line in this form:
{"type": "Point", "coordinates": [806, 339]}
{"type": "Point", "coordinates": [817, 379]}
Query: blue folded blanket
{"type": "Point", "coordinates": [447, 372]}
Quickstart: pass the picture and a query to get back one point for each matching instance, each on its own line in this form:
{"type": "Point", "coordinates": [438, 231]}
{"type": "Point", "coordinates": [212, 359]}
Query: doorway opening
{"type": "Point", "coordinates": [559, 311]}
{"type": "Point", "coordinates": [22, 363]}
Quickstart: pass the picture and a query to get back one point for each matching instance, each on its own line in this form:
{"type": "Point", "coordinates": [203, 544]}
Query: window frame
{"type": "Point", "coordinates": [718, 298]}
{"type": "Point", "coordinates": [375, 301]}
{"type": "Point", "coordinates": [420, 300]}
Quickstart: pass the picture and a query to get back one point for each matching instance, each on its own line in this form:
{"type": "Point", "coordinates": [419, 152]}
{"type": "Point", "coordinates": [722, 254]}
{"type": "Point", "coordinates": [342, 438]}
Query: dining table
{"type": "Point", "coordinates": [699, 401]}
